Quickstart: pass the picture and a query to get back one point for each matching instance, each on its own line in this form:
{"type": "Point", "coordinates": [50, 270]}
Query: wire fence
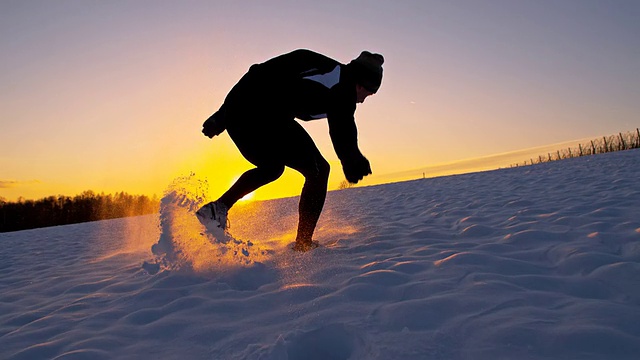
{"type": "Point", "coordinates": [621, 141]}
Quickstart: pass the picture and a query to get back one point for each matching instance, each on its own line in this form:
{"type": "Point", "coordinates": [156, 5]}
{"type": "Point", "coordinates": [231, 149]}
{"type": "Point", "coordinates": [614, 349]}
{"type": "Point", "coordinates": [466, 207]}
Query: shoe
{"type": "Point", "coordinates": [216, 211]}
{"type": "Point", "coordinates": [305, 246]}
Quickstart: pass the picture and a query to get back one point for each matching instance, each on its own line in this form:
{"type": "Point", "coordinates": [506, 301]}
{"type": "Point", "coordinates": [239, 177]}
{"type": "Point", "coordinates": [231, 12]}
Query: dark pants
{"type": "Point", "coordinates": [271, 143]}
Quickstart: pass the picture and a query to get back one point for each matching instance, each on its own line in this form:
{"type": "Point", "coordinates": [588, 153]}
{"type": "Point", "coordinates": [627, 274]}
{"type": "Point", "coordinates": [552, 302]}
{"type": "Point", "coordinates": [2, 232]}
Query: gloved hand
{"type": "Point", "coordinates": [356, 168]}
{"type": "Point", "coordinates": [214, 125]}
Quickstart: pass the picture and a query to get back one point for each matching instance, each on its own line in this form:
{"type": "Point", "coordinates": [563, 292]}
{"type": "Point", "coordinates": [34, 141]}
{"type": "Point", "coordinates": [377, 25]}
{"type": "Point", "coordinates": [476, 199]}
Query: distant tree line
{"type": "Point", "coordinates": [62, 210]}
{"type": "Point", "coordinates": [619, 142]}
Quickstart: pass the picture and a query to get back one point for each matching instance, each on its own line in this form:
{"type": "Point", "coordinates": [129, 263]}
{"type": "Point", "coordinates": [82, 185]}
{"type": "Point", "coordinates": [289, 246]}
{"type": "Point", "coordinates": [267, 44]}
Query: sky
{"type": "Point", "coordinates": [110, 96]}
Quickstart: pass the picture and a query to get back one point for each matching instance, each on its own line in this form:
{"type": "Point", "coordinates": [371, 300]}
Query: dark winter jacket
{"type": "Point", "coordinates": [301, 84]}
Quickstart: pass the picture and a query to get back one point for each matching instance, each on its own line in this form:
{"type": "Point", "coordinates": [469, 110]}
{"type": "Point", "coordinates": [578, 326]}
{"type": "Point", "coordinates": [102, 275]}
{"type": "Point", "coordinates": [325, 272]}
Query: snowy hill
{"type": "Point", "coordinates": [538, 262]}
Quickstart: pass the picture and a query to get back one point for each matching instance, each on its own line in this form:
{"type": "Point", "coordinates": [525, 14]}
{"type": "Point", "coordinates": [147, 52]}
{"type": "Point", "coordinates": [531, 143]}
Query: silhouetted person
{"type": "Point", "coordinates": [259, 114]}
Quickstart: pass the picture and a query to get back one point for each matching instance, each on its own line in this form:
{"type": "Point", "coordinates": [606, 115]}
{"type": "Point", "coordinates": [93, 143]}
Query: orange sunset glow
{"type": "Point", "coordinates": [111, 96]}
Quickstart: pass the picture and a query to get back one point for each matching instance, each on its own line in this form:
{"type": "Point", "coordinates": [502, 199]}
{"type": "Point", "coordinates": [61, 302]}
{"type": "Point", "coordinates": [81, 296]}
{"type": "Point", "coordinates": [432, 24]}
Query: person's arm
{"type": "Point", "coordinates": [344, 136]}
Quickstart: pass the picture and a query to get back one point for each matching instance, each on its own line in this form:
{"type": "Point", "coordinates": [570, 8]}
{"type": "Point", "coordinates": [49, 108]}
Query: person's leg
{"type": "Point", "coordinates": [250, 181]}
{"type": "Point", "coordinates": [312, 200]}
{"type": "Point", "coordinates": [271, 146]}
{"type": "Point", "coordinates": [303, 156]}
{"type": "Point", "coordinates": [253, 123]}
{"type": "Point", "coordinates": [255, 141]}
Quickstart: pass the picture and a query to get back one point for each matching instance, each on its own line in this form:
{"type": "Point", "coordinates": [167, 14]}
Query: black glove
{"type": "Point", "coordinates": [214, 125]}
{"type": "Point", "coordinates": [356, 168]}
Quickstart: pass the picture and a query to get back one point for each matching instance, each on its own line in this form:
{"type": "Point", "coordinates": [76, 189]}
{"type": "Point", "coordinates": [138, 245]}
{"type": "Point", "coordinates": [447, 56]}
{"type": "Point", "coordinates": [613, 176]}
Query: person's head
{"type": "Point", "coordinates": [367, 72]}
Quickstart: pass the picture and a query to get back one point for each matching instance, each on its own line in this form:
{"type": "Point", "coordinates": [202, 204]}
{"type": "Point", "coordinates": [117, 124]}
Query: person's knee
{"type": "Point", "coordinates": [319, 171]}
{"type": "Point", "coordinates": [323, 169]}
{"type": "Point", "coordinates": [272, 173]}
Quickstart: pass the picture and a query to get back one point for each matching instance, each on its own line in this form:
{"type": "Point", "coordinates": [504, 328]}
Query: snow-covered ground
{"type": "Point", "coordinates": [539, 262]}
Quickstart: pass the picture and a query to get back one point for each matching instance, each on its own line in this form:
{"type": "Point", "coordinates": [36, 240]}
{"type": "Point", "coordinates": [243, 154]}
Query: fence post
{"type": "Point", "coordinates": [606, 147]}
{"type": "Point", "coordinates": [638, 132]}
{"type": "Point", "coordinates": [623, 146]}
{"type": "Point", "coordinates": [593, 148]}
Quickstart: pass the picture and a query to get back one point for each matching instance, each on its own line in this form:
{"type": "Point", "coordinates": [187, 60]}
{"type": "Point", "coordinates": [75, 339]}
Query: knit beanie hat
{"type": "Point", "coordinates": [367, 70]}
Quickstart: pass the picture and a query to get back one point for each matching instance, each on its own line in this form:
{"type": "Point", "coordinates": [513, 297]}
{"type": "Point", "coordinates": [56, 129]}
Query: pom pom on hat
{"type": "Point", "coordinates": [367, 68]}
